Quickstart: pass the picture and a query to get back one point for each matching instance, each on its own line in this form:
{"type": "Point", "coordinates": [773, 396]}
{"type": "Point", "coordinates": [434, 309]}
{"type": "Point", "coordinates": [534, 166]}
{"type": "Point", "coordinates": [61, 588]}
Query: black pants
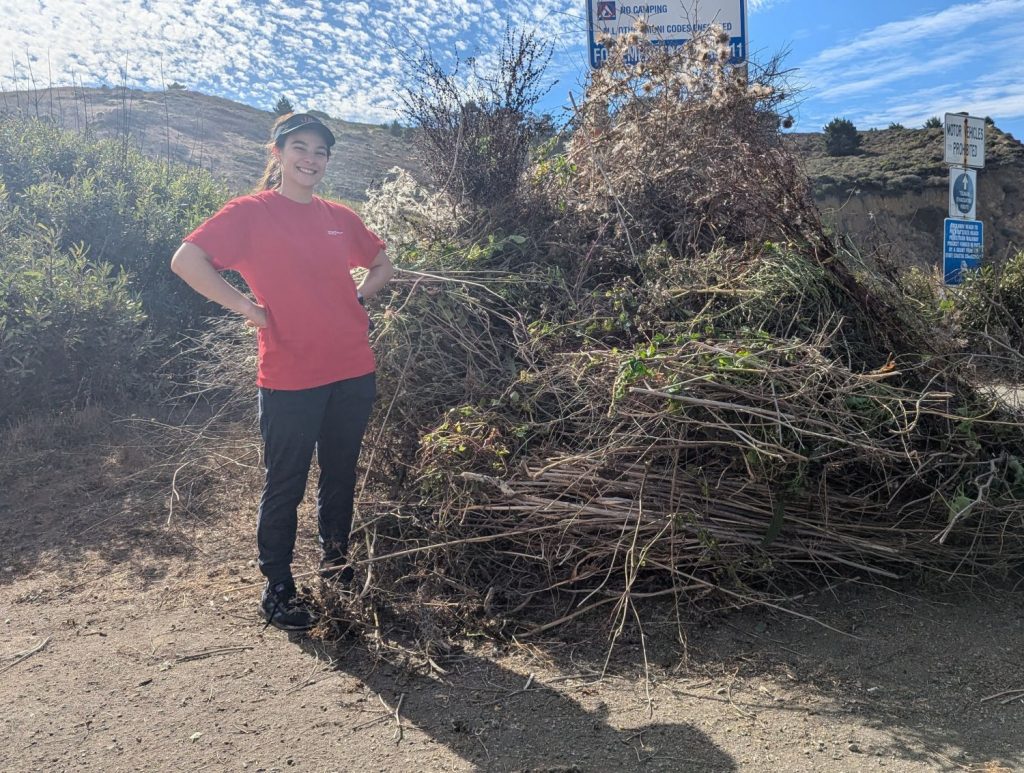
{"type": "Point", "coordinates": [330, 419]}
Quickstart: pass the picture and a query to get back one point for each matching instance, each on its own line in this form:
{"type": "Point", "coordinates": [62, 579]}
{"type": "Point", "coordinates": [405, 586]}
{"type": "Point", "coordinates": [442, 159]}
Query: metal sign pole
{"type": "Point", "coordinates": [963, 240]}
{"type": "Point", "coordinates": [966, 129]}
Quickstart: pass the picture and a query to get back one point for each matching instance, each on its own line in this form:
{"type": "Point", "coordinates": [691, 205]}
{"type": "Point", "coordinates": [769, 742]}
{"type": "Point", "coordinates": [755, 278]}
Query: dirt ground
{"type": "Point", "coordinates": [131, 643]}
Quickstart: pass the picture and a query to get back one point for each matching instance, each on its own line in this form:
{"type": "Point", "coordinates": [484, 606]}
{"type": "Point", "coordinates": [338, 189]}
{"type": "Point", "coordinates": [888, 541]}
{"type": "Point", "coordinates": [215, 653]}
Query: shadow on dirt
{"type": "Point", "coordinates": [907, 684]}
{"type": "Point", "coordinates": [492, 718]}
{"type": "Point", "coordinates": [917, 671]}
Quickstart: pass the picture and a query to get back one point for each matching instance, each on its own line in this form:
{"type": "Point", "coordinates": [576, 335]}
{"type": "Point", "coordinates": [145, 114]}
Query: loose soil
{"type": "Point", "coordinates": [131, 643]}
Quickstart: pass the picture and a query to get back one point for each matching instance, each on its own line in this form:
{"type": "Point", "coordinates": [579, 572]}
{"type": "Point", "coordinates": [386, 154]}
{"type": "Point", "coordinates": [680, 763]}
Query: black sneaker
{"type": "Point", "coordinates": [284, 609]}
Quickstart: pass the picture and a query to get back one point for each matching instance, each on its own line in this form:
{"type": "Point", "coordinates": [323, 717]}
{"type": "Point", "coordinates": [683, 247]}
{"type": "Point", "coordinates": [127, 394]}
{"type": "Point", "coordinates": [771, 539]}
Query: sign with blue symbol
{"type": "Point", "coordinates": [670, 23]}
{"type": "Point", "coordinates": [963, 244]}
{"type": "Point", "coordinates": [963, 198]}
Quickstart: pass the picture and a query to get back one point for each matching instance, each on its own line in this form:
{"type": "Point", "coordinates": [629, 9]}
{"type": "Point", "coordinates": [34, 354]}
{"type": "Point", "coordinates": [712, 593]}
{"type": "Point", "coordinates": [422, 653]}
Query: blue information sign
{"type": "Point", "coordinates": [963, 243]}
{"type": "Point", "coordinates": [670, 23]}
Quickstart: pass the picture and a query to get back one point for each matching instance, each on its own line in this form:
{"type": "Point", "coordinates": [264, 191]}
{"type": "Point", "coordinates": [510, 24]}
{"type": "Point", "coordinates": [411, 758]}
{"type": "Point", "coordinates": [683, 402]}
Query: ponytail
{"type": "Point", "coordinates": [271, 174]}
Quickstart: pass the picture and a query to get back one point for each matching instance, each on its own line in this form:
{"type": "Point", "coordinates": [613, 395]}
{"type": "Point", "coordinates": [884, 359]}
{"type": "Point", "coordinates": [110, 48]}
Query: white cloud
{"type": "Point", "coordinates": [344, 57]}
{"type": "Point", "coordinates": [951, 24]}
{"type": "Point", "coordinates": [908, 70]}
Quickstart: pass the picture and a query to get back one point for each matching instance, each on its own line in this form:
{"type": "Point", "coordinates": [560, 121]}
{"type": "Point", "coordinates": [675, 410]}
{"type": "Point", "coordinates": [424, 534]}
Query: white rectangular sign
{"type": "Point", "coordinates": [965, 140]}
{"type": "Point", "coordinates": [669, 22]}
{"type": "Point", "coordinates": [963, 193]}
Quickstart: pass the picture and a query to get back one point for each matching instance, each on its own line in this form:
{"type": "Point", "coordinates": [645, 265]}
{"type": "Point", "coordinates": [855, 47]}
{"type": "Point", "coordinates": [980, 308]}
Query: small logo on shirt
{"type": "Point", "coordinates": [335, 233]}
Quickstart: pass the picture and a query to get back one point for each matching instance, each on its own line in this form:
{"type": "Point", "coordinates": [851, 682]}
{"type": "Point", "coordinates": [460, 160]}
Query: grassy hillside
{"type": "Point", "coordinates": [893, 160]}
{"type": "Point", "coordinates": [221, 136]}
{"type": "Point", "coordinates": [227, 139]}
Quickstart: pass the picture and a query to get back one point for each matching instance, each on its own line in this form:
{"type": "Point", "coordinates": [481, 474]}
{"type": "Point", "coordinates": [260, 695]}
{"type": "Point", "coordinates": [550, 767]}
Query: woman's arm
{"type": "Point", "coordinates": [378, 275]}
{"type": "Point", "coordinates": [194, 266]}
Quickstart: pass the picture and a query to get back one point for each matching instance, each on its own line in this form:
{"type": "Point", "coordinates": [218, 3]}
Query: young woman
{"type": "Point", "coordinates": [316, 371]}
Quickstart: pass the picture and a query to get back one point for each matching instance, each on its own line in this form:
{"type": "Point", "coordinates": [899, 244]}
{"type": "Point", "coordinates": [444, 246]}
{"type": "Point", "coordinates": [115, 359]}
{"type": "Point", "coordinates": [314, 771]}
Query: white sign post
{"type": "Point", "coordinates": [963, 242]}
{"type": "Point", "coordinates": [670, 23]}
{"type": "Point", "coordinates": [965, 140]}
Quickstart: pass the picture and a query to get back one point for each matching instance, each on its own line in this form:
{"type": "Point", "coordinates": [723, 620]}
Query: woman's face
{"type": "Point", "coordinates": [303, 158]}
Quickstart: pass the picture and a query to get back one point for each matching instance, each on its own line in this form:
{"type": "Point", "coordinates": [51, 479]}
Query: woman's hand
{"type": "Point", "coordinates": [255, 316]}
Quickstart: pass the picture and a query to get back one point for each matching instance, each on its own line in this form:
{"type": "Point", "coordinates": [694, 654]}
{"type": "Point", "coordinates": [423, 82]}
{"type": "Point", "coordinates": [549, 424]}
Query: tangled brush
{"type": "Point", "coordinates": [666, 380]}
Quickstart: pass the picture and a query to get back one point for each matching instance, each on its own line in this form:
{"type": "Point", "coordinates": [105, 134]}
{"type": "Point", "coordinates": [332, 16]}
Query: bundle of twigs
{"type": "Point", "coordinates": [682, 386]}
{"type": "Point", "coordinates": [727, 467]}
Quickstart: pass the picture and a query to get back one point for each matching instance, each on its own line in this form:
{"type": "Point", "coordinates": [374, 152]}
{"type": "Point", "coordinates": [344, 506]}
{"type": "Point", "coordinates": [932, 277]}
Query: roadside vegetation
{"type": "Point", "coordinates": [648, 370]}
{"type": "Point", "coordinates": [87, 305]}
{"type": "Point", "coordinates": [623, 361]}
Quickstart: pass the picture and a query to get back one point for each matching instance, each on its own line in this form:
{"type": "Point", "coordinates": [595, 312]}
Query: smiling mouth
{"type": "Point", "coordinates": [306, 170]}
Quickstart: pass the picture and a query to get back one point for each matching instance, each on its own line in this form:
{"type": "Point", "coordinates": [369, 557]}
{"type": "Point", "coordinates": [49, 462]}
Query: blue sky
{"type": "Point", "coordinates": [873, 61]}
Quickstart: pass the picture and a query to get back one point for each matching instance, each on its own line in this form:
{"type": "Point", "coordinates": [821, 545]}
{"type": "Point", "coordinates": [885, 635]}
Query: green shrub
{"type": "Point", "coordinates": [87, 229]}
{"type": "Point", "coordinates": [70, 329]}
{"type": "Point", "coordinates": [933, 123]}
{"type": "Point", "coordinates": [990, 308]}
{"type": "Point", "coordinates": [129, 211]}
{"type": "Point", "coordinates": [841, 137]}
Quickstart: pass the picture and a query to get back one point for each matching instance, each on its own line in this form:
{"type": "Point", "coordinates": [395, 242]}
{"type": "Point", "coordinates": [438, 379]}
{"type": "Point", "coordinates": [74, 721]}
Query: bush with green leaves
{"type": "Point", "coordinates": [87, 229]}
{"type": "Point", "coordinates": [71, 330]}
{"type": "Point", "coordinates": [933, 123]}
{"type": "Point", "coordinates": [841, 137]}
{"type": "Point", "coordinates": [990, 308]}
{"type": "Point", "coordinates": [129, 211]}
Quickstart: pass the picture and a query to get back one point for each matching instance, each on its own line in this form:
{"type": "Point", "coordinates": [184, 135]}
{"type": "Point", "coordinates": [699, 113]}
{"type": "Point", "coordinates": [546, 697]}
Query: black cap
{"type": "Point", "coordinates": [302, 121]}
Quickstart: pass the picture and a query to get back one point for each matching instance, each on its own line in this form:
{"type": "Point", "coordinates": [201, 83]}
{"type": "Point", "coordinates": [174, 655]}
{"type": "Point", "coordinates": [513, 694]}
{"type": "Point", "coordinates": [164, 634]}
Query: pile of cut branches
{"type": "Point", "coordinates": [669, 382]}
{"type": "Point", "coordinates": [673, 383]}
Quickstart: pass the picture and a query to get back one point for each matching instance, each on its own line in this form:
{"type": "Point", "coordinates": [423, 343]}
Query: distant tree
{"type": "Point", "coordinates": [989, 121]}
{"type": "Point", "coordinates": [896, 127]}
{"type": "Point", "coordinates": [933, 123]}
{"type": "Point", "coordinates": [175, 86]}
{"type": "Point", "coordinates": [841, 137]}
{"type": "Point", "coordinates": [395, 129]}
{"type": "Point", "coordinates": [283, 107]}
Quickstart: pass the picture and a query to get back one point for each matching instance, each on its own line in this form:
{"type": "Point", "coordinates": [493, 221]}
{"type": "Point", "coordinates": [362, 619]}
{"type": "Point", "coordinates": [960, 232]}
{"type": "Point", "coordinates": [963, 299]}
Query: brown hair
{"type": "Point", "coordinates": [272, 173]}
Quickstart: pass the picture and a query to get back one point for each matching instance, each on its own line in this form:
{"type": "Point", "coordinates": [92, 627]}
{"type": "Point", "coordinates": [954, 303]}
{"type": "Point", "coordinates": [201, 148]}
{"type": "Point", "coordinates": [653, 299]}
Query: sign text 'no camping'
{"type": "Point", "coordinates": [670, 23]}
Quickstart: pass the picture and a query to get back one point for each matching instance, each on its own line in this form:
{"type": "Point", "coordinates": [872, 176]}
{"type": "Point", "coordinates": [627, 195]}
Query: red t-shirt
{"type": "Point", "coordinates": [296, 260]}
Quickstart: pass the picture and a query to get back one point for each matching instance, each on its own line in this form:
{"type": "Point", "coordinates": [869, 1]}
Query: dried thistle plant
{"type": "Point", "coordinates": [682, 148]}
